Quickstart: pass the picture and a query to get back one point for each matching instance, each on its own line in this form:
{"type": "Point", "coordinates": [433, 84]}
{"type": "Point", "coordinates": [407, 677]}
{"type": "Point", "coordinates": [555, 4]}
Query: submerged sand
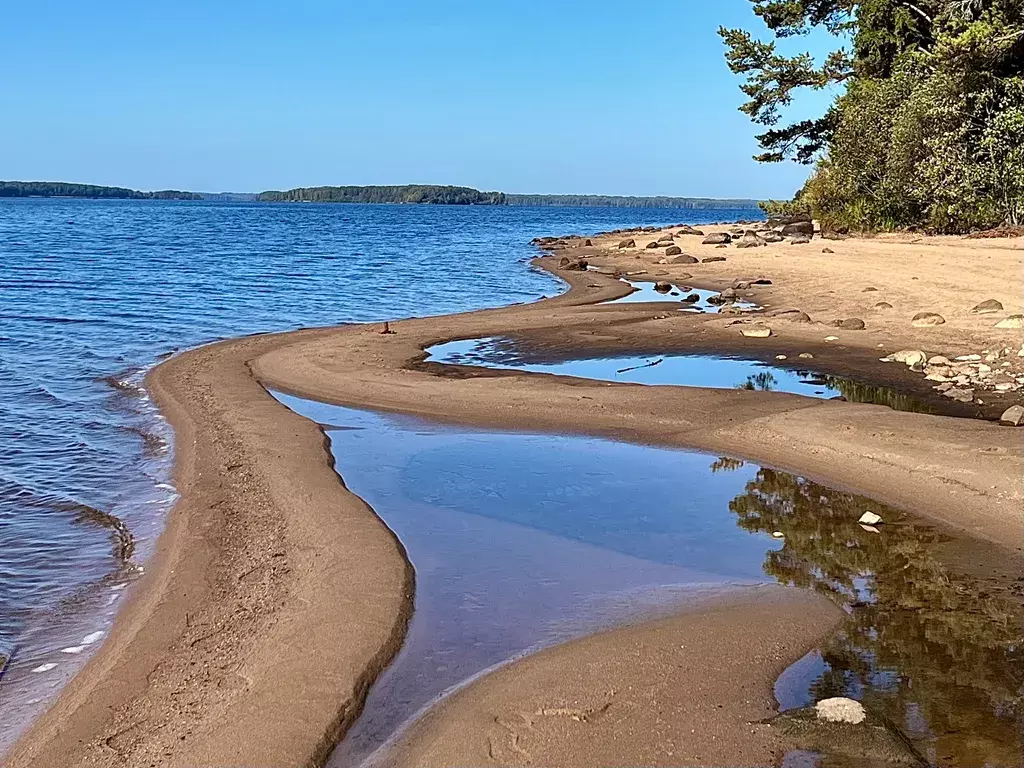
{"type": "Point", "coordinates": [276, 596]}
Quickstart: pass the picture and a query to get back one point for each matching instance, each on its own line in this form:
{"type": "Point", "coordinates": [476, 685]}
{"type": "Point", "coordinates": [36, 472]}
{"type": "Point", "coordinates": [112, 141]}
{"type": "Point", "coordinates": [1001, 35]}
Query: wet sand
{"type": "Point", "coordinates": [275, 596]}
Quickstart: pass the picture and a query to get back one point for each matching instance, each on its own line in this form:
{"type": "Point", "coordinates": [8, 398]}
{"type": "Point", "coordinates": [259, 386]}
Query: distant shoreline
{"type": "Point", "coordinates": [407, 194]}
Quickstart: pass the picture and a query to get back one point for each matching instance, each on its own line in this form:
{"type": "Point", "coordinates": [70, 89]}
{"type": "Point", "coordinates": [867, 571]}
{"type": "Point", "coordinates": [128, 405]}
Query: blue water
{"type": "Point", "coordinates": [94, 292]}
{"type": "Point", "coordinates": [713, 371]}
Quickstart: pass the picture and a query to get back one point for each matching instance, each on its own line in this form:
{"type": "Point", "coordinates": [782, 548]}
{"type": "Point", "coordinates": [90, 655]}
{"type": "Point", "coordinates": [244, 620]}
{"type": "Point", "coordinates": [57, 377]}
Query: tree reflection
{"type": "Point", "coordinates": [763, 381]}
{"type": "Point", "coordinates": [938, 653]}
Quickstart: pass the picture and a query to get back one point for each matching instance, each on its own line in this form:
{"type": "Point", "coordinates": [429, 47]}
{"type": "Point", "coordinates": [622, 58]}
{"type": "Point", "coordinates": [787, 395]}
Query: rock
{"type": "Point", "coordinates": [772, 237]}
{"type": "Point", "coordinates": [673, 250]}
{"type": "Point", "coordinates": [710, 259]}
{"type": "Point", "coordinates": [717, 300]}
{"type": "Point", "coordinates": [967, 358]}
{"type": "Point", "coordinates": [910, 357]}
{"type": "Point", "coordinates": [717, 238]}
{"type": "Point", "coordinates": [800, 240]}
{"type": "Point", "coordinates": [627, 243]}
{"type": "Point", "coordinates": [757, 332]}
{"type": "Point", "coordinates": [939, 360]}
{"type": "Point", "coordinates": [587, 243]}
{"type": "Point", "coordinates": [652, 244]}
{"type": "Point", "coordinates": [778, 535]}
{"type": "Point", "coordinates": [805, 356]}
{"type": "Point", "coordinates": [737, 231]}
{"type": "Point", "coordinates": [987, 307]}
{"type": "Point", "coordinates": [960, 395]}
{"type": "Point", "coordinates": [750, 239]}
{"type": "Point", "coordinates": [869, 518]}
{"type": "Point", "coordinates": [883, 305]}
{"type": "Point", "coordinates": [799, 317]}
{"type": "Point", "coordinates": [805, 228]}
{"type": "Point", "coordinates": [740, 285]}
{"type": "Point", "coordinates": [927, 320]}
{"type": "Point", "coordinates": [693, 298]}
{"type": "Point", "coordinates": [840, 709]}
{"type": "Point", "coordinates": [833, 235]}
{"type": "Point", "coordinates": [869, 289]}
{"type": "Point", "coordinates": [729, 293]}
{"type": "Point", "coordinates": [665, 240]}
{"type": "Point", "coordinates": [573, 265]}
{"type": "Point", "coordinates": [761, 281]}
{"type": "Point", "coordinates": [852, 324]}
{"type": "Point", "coordinates": [685, 259]}
{"type": "Point", "coordinates": [827, 250]}
{"type": "Point", "coordinates": [1013, 321]}
{"type": "Point", "coordinates": [780, 357]}
{"type": "Point", "coordinates": [1013, 416]}
{"type": "Point", "coordinates": [662, 287]}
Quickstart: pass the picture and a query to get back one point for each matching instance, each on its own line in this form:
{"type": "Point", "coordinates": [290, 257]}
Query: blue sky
{"type": "Point", "coordinates": [604, 97]}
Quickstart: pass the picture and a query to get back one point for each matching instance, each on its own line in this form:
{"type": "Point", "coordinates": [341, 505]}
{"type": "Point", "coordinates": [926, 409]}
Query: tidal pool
{"type": "Point", "coordinates": [644, 292]}
{"type": "Point", "coordinates": [520, 541]}
{"type": "Point", "coordinates": [714, 371]}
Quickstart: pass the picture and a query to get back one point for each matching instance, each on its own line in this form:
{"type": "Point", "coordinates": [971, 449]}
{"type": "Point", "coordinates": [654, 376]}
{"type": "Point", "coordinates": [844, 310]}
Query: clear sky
{"type": "Point", "coordinates": [555, 96]}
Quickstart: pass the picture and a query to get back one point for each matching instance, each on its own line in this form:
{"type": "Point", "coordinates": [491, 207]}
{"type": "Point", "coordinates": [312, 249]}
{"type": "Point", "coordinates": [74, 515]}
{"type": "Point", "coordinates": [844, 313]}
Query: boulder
{"type": "Point", "coordinates": [910, 357]}
{"type": "Point", "coordinates": [631, 243]}
{"type": "Point", "coordinates": [852, 324]}
{"type": "Point", "coordinates": [693, 298]}
{"type": "Point", "coordinates": [927, 320]}
{"type": "Point", "coordinates": [1013, 416]}
{"type": "Point", "coordinates": [750, 239]}
{"type": "Point", "coordinates": [587, 243]}
{"type": "Point", "coordinates": [573, 265]}
{"type": "Point", "coordinates": [757, 332]}
{"type": "Point", "coordinates": [798, 228]}
{"type": "Point", "coordinates": [1013, 321]}
{"type": "Point", "coordinates": [710, 259]}
{"type": "Point", "coordinates": [987, 307]}
{"type": "Point", "coordinates": [800, 240]}
{"type": "Point", "coordinates": [685, 259]}
{"type": "Point", "coordinates": [772, 237]}
{"type": "Point", "coordinates": [665, 240]}
{"type": "Point", "coordinates": [827, 250]}
{"type": "Point", "coordinates": [729, 293]}
{"type": "Point", "coordinates": [673, 250]}
{"type": "Point", "coordinates": [883, 305]}
{"type": "Point", "coordinates": [662, 287]}
{"type": "Point", "coordinates": [778, 221]}
{"type": "Point", "coordinates": [653, 244]}
{"type": "Point", "coordinates": [718, 238]}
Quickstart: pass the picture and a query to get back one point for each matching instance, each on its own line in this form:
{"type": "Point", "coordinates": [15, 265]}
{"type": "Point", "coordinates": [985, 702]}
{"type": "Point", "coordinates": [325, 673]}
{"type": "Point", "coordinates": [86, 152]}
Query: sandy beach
{"type": "Point", "coordinates": [276, 597]}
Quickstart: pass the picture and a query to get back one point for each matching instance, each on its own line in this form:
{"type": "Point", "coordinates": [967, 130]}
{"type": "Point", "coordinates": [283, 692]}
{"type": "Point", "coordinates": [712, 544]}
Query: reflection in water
{"type": "Point", "coordinates": [763, 382]}
{"type": "Point", "coordinates": [937, 652]}
{"type": "Point", "coordinates": [861, 392]}
{"type": "Point", "coordinates": [520, 541]}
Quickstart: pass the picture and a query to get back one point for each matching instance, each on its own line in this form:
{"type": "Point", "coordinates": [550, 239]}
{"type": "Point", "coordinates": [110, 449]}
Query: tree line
{"type": "Point", "coordinates": [68, 189]}
{"type": "Point", "coordinates": [928, 130]}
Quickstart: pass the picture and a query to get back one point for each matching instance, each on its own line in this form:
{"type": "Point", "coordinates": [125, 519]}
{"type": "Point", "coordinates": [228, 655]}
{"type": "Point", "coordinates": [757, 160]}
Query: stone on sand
{"type": "Point", "coordinates": [851, 324]}
{"type": "Point", "coordinates": [927, 320]}
{"type": "Point", "coordinates": [710, 259]}
{"type": "Point", "coordinates": [1013, 416]}
{"type": "Point", "coordinates": [673, 250]}
{"type": "Point", "coordinates": [757, 332]}
{"type": "Point", "coordinates": [987, 307]}
{"type": "Point", "coordinates": [800, 240]}
{"type": "Point", "coordinates": [627, 243]}
{"type": "Point", "coordinates": [840, 709]}
{"type": "Point", "coordinates": [718, 238]}
{"type": "Point", "coordinates": [1013, 321]}
{"type": "Point", "coordinates": [685, 259]}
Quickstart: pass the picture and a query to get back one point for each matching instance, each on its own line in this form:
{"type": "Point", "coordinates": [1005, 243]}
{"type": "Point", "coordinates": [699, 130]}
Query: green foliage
{"type": "Point", "coordinates": [410, 193]}
{"type": "Point", "coordinates": [616, 201]}
{"type": "Point", "coordinates": [930, 130]}
{"type": "Point", "coordinates": [66, 189]}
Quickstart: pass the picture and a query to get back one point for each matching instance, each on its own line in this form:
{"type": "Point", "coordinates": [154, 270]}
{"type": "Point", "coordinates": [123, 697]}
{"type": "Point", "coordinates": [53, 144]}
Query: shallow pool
{"type": "Point", "coordinates": [520, 541]}
{"type": "Point", "coordinates": [714, 371]}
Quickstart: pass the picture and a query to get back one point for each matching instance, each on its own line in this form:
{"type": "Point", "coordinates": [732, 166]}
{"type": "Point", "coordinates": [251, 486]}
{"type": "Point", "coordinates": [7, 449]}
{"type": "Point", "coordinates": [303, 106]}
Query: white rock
{"type": "Point", "coordinates": [1013, 321]}
{"type": "Point", "coordinates": [805, 356]}
{"type": "Point", "coordinates": [966, 358]}
{"type": "Point", "coordinates": [45, 667]}
{"type": "Point", "coordinates": [757, 332]}
{"type": "Point", "coordinates": [778, 535]}
{"type": "Point", "coordinates": [939, 360]}
{"type": "Point", "coordinates": [780, 357]}
{"type": "Point", "coordinates": [870, 518]}
{"type": "Point", "coordinates": [870, 529]}
{"type": "Point", "coordinates": [831, 338]}
{"type": "Point", "coordinates": [840, 710]}
{"type": "Point", "coordinates": [1014, 416]}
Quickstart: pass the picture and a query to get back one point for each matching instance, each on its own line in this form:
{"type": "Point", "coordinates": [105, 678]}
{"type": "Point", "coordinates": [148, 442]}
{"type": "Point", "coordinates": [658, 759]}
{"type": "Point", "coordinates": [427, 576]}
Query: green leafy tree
{"type": "Point", "coordinates": [930, 128]}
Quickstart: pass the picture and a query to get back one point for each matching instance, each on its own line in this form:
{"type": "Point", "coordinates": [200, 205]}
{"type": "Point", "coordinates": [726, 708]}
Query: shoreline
{"type": "Point", "coordinates": [254, 481]}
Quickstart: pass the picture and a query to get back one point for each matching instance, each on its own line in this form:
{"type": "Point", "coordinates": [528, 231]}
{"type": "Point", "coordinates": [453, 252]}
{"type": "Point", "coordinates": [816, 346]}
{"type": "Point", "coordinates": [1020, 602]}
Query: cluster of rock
{"type": "Point", "coordinates": [560, 243]}
{"type": "Point", "coordinates": [960, 378]}
{"type": "Point", "coordinates": [799, 230]}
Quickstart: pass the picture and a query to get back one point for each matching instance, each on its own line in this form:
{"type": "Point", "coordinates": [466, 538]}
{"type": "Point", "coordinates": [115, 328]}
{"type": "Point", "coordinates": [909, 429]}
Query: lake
{"type": "Point", "coordinates": [93, 293]}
